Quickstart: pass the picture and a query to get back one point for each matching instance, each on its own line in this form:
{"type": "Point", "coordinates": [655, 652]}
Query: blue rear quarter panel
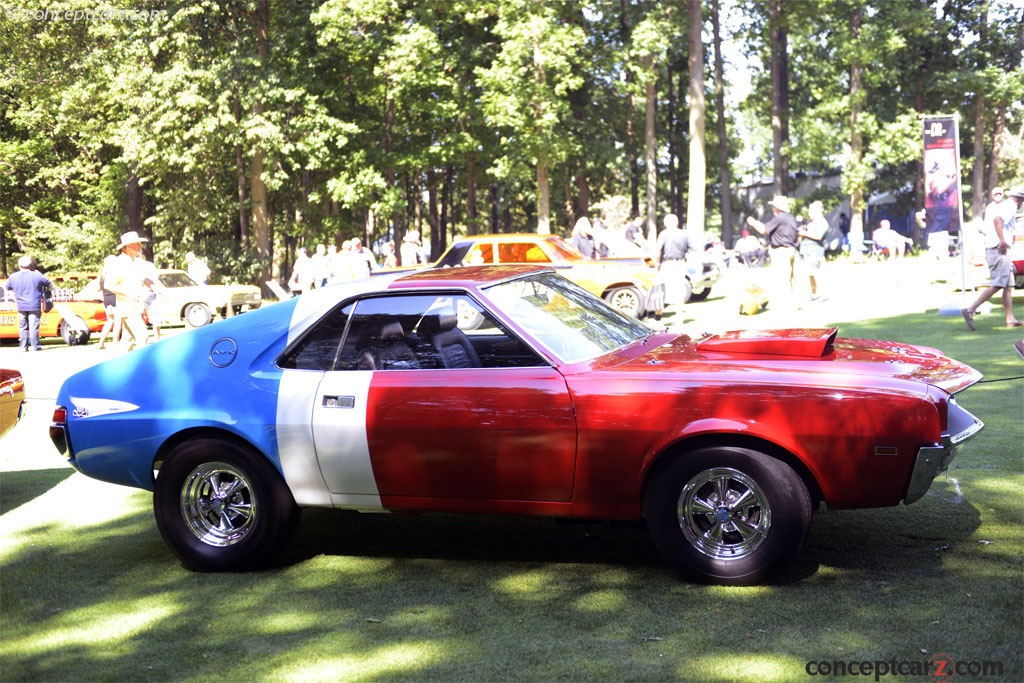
{"type": "Point", "coordinates": [157, 391]}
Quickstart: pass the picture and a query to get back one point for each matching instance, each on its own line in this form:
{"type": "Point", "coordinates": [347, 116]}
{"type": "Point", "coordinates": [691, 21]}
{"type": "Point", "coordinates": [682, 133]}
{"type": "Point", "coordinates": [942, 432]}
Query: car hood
{"type": "Point", "coordinates": [813, 356]}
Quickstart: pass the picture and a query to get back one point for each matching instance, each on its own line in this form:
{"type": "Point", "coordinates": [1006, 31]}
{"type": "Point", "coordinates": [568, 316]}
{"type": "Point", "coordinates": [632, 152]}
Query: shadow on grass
{"type": "Point", "coordinates": [442, 597]}
{"type": "Point", "coordinates": [20, 487]}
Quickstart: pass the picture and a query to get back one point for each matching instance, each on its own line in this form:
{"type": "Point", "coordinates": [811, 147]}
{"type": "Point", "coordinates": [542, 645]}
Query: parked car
{"type": "Point", "coordinates": [702, 272]}
{"type": "Point", "coordinates": [12, 399]}
{"type": "Point", "coordinates": [72, 319]}
{"type": "Point", "coordinates": [624, 283]}
{"type": "Point", "coordinates": [182, 300]}
{"type": "Point", "coordinates": [369, 396]}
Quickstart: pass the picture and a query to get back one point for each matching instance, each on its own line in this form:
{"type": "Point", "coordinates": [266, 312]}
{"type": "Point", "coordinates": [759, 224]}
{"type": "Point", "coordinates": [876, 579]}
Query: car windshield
{"type": "Point", "coordinates": [569, 321]}
{"type": "Point", "coordinates": [177, 280]}
{"type": "Point", "coordinates": [563, 252]}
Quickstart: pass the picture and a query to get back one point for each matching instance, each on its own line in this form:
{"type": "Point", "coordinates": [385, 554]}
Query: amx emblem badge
{"type": "Point", "coordinates": [223, 352]}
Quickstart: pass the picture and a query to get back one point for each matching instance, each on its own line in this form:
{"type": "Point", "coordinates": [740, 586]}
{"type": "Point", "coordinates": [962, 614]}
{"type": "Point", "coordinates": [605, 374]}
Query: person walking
{"type": "Point", "coordinates": [673, 247]}
{"type": "Point", "coordinates": [583, 238]}
{"type": "Point", "coordinates": [812, 245]}
{"type": "Point", "coordinates": [782, 235]}
{"type": "Point", "coordinates": [1000, 219]}
{"type": "Point", "coordinates": [127, 283]}
{"type": "Point", "coordinates": [27, 285]}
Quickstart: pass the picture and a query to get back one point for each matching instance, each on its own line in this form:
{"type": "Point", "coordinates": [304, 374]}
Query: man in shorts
{"type": "Point", "coordinates": [999, 222]}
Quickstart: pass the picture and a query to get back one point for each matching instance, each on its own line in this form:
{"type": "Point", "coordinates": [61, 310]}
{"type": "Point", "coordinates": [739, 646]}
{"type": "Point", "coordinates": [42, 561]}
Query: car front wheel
{"type": "Point", "coordinates": [221, 507]}
{"type": "Point", "coordinates": [625, 299]}
{"type": "Point", "coordinates": [728, 515]}
{"type": "Point", "coordinates": [198, 315]}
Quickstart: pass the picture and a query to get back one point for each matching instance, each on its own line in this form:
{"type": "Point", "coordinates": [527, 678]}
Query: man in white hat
{"type": "Point", "coordinates": [27, 285]}
{"type": "Point", "coordinates": [127, 282]}
{"type": "Point", "coordinates": [999, 222]}
{"type": "Point", "coordinates": [783, 236]}
{"type": "Point", "coordinates": [409, 252]}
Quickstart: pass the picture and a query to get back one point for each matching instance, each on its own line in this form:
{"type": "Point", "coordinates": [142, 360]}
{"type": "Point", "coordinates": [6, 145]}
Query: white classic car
{"type": "Point", "coordinates": [180, 299]}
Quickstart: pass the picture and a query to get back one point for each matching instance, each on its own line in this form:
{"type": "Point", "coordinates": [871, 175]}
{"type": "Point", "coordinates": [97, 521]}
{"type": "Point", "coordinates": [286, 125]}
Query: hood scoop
{"type": "Point", "coordinates": [802, 343]}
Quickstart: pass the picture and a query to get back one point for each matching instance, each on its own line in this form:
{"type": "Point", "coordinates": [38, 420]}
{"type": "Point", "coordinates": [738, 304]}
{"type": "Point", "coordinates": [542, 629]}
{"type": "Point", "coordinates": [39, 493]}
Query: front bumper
{"type": "Point", "coordinates": [932, 460]}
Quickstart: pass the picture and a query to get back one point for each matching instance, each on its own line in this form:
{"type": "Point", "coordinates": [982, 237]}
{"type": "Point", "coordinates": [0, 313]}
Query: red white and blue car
{"type": "Point", "coordinates": [509, 390]}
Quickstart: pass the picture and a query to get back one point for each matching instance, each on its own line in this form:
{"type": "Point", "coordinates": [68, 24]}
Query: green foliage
{"type": "Point", "coordinates": [404, 111]}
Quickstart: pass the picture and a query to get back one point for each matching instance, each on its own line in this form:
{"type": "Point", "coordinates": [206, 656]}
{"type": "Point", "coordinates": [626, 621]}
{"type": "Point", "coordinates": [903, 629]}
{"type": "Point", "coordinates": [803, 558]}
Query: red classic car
{"type": "Point", "coordinates": [12, 397]}
{"type": "Point", "coordinates": [510, 390]}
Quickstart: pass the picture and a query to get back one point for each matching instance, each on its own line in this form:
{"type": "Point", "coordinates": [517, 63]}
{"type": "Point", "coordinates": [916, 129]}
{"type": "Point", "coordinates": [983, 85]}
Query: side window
{"type": "Point", "coordinates": [429, 332]}
{"type": "Point", "coordinates": [479, 255]}
{"type": "Point", "coordinates": [318, 350]}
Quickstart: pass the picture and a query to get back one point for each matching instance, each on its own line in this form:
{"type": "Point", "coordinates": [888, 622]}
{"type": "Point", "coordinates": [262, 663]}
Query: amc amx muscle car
{"type": "Point", "coordinates": [510, 390]}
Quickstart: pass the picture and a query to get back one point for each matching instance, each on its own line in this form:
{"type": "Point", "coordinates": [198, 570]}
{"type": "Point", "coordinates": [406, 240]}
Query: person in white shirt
{"type": "Point", "coordinates": [999, 222]}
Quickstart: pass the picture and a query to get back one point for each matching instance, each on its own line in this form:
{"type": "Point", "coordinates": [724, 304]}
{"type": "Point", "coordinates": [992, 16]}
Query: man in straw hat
{"type": "Point", "coordinates": [128, 283]}
{"type": "Point", "coordinates": [783, 236]}
{"type": "Point", "coordinates": [999, 222]}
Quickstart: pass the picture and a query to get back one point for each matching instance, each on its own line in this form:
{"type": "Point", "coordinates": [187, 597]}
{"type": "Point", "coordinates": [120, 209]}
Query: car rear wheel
{"type": "Point", "coordinates": [728, 515]}
{"type": "Point", "coordinates": [71, 335]}
{"type": "Point", "coordinates": [626, 300]}
{"type": "Point", "coordinates": [198, 315]}
{"type": "Point", "coordinates": [221, 507]}
{"type": "Point", "coordinates": [700, 294]}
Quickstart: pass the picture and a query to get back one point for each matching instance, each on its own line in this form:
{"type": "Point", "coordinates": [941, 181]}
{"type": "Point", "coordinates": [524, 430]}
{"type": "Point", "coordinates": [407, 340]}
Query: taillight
{"type": "Point", "coordinates": [58, 431]}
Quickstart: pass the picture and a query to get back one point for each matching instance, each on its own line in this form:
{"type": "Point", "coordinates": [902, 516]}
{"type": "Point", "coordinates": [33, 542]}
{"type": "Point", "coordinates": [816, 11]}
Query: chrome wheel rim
{"type": "Point", "coordinates": [625, 301]}
{"type": "Point", "coordinates": [218, 504]}
{"type": "Point", "coordinates": [724, 514]}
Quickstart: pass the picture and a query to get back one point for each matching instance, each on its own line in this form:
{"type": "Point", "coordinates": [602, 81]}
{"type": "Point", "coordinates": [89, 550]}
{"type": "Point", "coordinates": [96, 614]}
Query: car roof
{"type": "Point", "coordinates": [466, 277]}
{"type": "Point", "coordinates": [509, 237]}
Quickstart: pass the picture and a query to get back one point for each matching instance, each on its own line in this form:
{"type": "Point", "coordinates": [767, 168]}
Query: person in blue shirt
{"type": "Point", "coordinates": [27, 285]}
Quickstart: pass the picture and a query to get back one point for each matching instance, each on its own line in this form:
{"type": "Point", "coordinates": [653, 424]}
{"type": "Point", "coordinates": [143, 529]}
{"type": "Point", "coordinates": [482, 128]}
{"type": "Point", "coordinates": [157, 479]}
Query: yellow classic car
{"type": "Point", "coordinates": [12, 397]}
{"type": "Point", "coordinates": [72, 319]}
{"type": "Point", "coordinates": [625, 284]}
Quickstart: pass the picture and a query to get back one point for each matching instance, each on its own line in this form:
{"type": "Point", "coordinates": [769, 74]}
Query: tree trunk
{"type": "Point", "coordinates": [650, 149]}
{"type": "Point", "coordinates": [543, 198]}
{"type": "Point", "coordinates": [543, 184]}
{"type": "Point", "coordinates": [856, 141]}
{"type": "Point", "coordinates": [978, 172]}
{"type": "Point", "coordinates": [472, 218]}
{"type": "Point", "coordinates": [260, 228]}
{"type": "Point", "coordinates": [133, 200]}
{"type": "Point", "coordinates": [698, 168]}
{"type": "Point", "coordinates": [998, 126]}
{"type": "Point", "coordinates": [725, 178]}
{"type": "Point", "coordinates": [780, 96]}
{"type": "Point", "coordinates": [672, 136]}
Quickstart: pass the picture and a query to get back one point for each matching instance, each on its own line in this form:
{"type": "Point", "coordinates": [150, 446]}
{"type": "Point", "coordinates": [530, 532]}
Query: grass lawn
{"type": "Point", "coordinates": [88, 591]}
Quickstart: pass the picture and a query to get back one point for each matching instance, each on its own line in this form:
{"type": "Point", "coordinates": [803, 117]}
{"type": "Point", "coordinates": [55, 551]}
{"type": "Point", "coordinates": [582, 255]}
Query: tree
{"type": "Point", "coordinates": [695, 211]}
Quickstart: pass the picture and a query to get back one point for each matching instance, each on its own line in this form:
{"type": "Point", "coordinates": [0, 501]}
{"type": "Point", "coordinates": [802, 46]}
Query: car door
{"type": "Point", "coordinates": [439, 437]}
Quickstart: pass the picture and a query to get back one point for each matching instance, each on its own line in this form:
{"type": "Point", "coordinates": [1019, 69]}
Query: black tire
{"type": "Point", "coordinates": [198, 315]}
{"type": "Point", "coordinates": [700, 294]}
{"type": "Point", "coordinates": [627, 300]}
{"type": "Point", "coordinates": [222, 507]}
{"type": "Point", "coordinates": [728, 515]}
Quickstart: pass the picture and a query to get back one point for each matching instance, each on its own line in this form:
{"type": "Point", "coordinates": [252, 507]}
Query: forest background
{"type": "Point", "coordinates": [243, 129]}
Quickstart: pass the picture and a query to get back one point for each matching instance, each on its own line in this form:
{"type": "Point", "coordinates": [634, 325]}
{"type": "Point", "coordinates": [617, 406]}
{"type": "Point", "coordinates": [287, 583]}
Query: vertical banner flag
{"type": "Point", "coordinates": [941, 177]}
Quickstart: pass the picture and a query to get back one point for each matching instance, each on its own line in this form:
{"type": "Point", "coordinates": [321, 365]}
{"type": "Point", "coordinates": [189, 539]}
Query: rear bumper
{"type": "Point", "coordinates": [933, 460]}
